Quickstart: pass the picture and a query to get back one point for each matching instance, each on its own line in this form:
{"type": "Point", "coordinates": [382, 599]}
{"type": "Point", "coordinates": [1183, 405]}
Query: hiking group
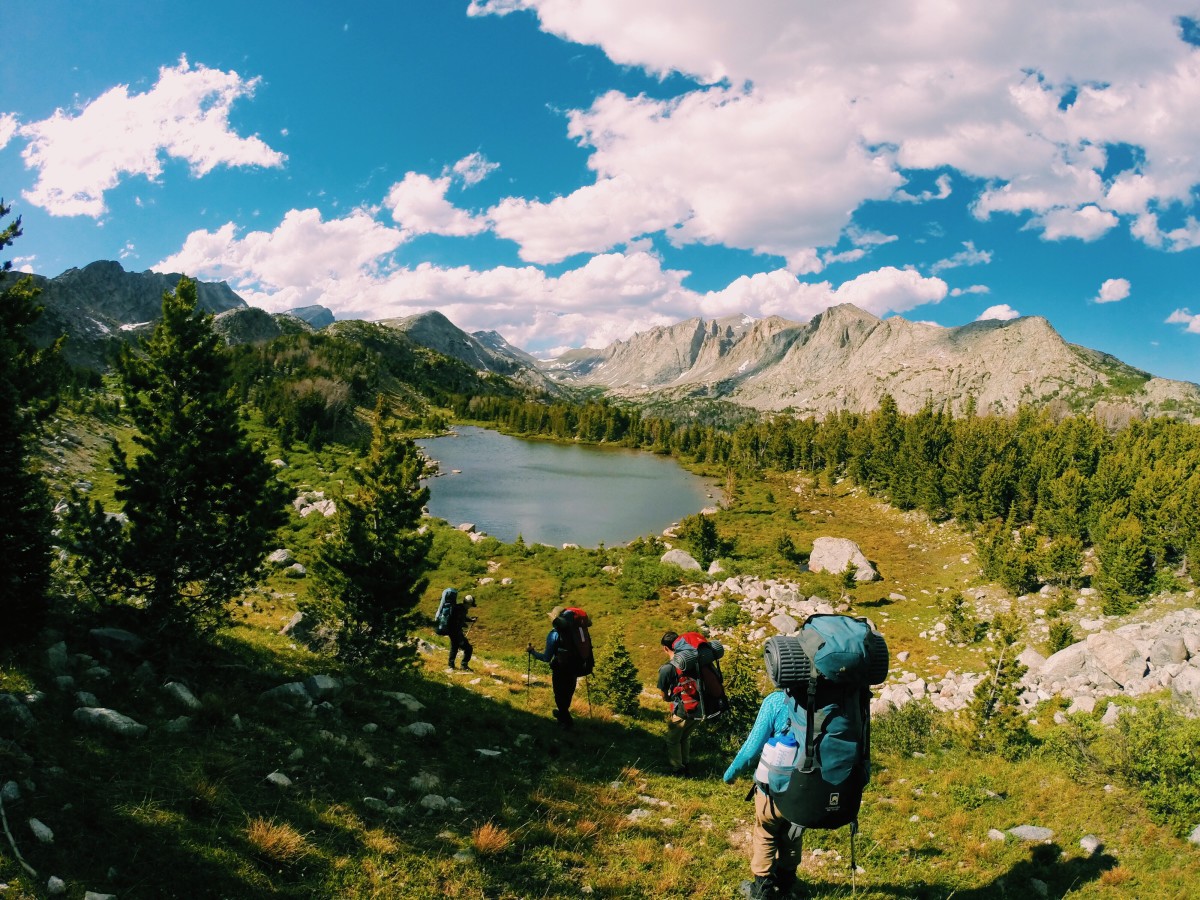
{"type": "Point", "coordinates": [809, 747]}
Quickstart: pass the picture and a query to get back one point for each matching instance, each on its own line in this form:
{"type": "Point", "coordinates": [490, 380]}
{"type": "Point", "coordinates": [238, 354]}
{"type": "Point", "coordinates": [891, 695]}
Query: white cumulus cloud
{"type": "Point", "coordinates": [1002, 311]}
{"type": "Point", "coordinates": [793, 126]}
{"type": "Point", "coordinates": [1112, 291]}
{"type": "Point", "coordinates": [1185, 317]}
{"type": "Point", "coordinates": [80, 155]}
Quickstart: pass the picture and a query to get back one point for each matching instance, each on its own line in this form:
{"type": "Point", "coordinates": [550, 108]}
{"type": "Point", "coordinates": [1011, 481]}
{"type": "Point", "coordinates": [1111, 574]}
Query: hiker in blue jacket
{"type": "Point", "coordinates": [774, 841]}
{"type": "Point", "coordinates": [563, 678]}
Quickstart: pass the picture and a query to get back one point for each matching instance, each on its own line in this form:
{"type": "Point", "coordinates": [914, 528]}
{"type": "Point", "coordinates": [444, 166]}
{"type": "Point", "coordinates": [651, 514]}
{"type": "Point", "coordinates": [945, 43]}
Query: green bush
{"type": "Point", "coordinates": [906, 730]}
{"type": "Point", "coordinates": [641, 577]}
{"type": "Point", "coordinates": [728, 615]}
{"type": "Point", "coordinates": [617, 683]}
{"type": "Point", "coordinates": [1154, 750]}
{"type": "Point", "coordinates": [741, 668]}
{"type": "Point", "coordinates": [1062, 635]}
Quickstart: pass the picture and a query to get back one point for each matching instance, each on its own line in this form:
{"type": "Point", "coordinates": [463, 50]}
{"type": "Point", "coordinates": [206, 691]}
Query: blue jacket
{"type": "Point", "coordinates": [772, 721]}
{"type": "Point", "coordinates": [551, 648]}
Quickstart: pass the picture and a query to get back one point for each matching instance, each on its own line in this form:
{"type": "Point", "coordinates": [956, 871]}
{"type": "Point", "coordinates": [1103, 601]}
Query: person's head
{"type": "Point", "coordinates": [556, 612]}
{"type": "Point", "coordinates": [469, 600]}
{"type": "Point", "coordinates": [668, 640]}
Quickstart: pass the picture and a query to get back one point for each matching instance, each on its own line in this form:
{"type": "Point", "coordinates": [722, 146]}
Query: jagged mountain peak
{"type": "Point", "coordinates": [847, 358]}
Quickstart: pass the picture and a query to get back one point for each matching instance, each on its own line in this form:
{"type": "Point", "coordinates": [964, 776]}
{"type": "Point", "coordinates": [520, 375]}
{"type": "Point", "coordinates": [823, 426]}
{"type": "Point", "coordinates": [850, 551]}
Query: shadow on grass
{"type": "Point", "coordinates": [1058, 877]}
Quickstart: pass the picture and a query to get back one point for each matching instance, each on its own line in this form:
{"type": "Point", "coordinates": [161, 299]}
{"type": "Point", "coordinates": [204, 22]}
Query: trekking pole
{"type": "Point", "coordinates": [528, 664]}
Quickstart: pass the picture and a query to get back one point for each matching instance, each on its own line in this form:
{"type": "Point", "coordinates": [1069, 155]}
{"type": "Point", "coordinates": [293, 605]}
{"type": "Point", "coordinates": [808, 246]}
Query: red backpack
{"type": "Point", "coordinates": [575, 641]}
{"type": "Point", "coordinates": [700, 689]}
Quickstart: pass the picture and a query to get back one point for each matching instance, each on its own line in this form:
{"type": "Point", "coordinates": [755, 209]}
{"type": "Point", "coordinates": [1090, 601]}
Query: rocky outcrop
{"type": "Point", "coordinates": [837, 555]}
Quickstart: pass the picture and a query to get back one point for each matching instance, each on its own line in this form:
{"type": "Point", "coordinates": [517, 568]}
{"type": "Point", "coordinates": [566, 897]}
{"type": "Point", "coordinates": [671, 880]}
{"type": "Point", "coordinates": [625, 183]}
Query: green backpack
{"type": "Point", "coordinates": [827, 670]}
{"type": "Point", "coordinates": [441, 618]}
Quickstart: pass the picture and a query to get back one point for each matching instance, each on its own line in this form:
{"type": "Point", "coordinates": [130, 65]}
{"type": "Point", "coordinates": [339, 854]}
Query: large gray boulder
{"type": "Point", "coordinates": [1186, 689]}
{"type": "Point", "coordinates": [682, 559]}
{"type": "Point", "coordinates": [1066, 663]}
{"type": "Point", "coordinates": [1116, 657]}
{"type": "Point", "coordinates": [836, 555]}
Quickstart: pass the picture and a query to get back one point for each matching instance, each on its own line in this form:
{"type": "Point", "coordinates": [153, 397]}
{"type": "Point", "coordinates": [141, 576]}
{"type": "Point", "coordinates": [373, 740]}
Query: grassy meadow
{"type": "Point", "coordinates": [522, 809]}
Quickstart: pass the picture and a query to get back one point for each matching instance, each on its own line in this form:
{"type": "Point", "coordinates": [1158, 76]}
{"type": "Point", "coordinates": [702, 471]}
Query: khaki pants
{"type": "Point", "coordinates": [679, 733]}
{"type": "Point", "coordinates": [769, 840]}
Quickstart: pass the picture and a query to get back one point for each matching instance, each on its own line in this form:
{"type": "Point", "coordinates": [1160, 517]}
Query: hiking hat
{"type": "Point", "coordinates": [556, 612]}
{"type": "Point", "coordinates": [469, 600]}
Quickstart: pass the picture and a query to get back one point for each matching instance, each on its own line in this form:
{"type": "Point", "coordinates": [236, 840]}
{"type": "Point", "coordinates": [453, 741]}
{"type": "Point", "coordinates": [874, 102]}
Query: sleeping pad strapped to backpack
{"type": "Point", "coordinates": [441, 618]}
{"type": "Point", "coordinates": [827, 670]}
{"type": "Point", "coordinates": [700, 688]}
{"type": "Point", "coordinates": [574, 652]}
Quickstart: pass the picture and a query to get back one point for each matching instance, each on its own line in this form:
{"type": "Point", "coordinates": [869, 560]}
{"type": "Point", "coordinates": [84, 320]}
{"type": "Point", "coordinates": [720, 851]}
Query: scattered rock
{"type": "Point", "coordinates": [181, 695]}
{"type": "Point", "coordinates": [41, 831]}
{"type": "Point", "coordinates": [836, 555]}
{"type": "Point", "coordinates": [1031, 833]}
{"type": "Point", "coordinates": [1090, 844]}
{"type": "Point", "coordinates": [278, 779]}
{"type": "Point", "coordinates": [109, 720]}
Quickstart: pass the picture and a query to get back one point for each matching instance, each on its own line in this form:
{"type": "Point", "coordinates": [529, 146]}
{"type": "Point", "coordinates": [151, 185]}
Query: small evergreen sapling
{"type": "Point", "coordinates": [617, 681]}
{"type": "Point", "coordinates": [1000, 724]}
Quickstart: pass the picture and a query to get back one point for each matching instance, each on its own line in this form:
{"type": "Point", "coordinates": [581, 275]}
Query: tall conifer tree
{"type": "Point", "coordinates": [25, 537]}
{"type": "Point", "coordinates": [202, 502]}
{"type": "Point", "coordinates": [371, 567]}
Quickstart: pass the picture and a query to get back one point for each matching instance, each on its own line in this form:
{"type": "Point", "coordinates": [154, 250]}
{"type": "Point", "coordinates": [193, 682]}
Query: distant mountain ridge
{"type": "Point", "coordinates": [845, 358]}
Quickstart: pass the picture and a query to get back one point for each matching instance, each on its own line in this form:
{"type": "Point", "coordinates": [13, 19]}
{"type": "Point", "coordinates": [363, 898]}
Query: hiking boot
{"type": "Point", "coordinates": [680, 771]}
{"type": "Point", "coordinates": [466, 668]}
{"type": "Point", "coordinates": [764, 888]}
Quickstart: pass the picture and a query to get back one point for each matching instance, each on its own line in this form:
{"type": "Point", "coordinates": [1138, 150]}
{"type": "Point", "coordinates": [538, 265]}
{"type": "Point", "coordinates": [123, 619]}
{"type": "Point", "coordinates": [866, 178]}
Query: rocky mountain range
{"type": "Point", "coordinates": [843, 358]}
{"type": "Point", "coordinates": [846, 358]}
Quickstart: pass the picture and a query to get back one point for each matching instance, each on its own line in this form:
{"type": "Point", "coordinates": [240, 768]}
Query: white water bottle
{"type": "Point", "coordinates": [762, 774]}
{"type": "Point", "coordinates": [786, 750]}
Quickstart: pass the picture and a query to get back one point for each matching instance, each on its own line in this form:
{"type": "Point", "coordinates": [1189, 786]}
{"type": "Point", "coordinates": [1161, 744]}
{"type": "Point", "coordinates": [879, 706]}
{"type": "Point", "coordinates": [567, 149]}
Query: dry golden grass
{"type": "Point", "coordinates": [276, 842]}
{"type": "Point", "coordinates": [587, 828]}
{"type": "Point", "coordinates": [489, 839]}
{"type": "Point", "coordinates": [958, 822]}
{"type": "Point", "coordinates": [1115, 877]}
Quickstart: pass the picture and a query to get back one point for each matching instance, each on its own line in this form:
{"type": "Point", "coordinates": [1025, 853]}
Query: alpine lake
{"type": "Point", "coordinates": [554, 493]}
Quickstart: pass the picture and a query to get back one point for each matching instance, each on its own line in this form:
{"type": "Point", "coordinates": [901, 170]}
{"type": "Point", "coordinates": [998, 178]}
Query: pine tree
{"type": "Point", "coordinates": [202, 502]}
{"type": "Point", "coordinates": [370, 571]}
{"type": "Point", "coordinates": [617, 681]}
{"type": "Point", "coordinates": [996, 710]}
{"type": "Point", "coordinates": [740, 669]}
{"type": "Point", "coordinates": [699, 534]}
{"type": "Point", "coordinates": [25, 537]}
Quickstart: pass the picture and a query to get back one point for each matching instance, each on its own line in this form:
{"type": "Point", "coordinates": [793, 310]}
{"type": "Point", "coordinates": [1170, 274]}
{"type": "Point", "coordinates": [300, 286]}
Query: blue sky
{"type": "Point", "coordinates": [568, 172]}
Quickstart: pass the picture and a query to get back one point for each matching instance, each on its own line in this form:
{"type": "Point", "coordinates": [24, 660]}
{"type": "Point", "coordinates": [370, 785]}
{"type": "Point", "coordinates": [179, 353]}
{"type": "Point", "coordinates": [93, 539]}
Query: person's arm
{"type": "Point", "coordinates": [667, 679]}
{"type": "Point", "coordinates": [551, 646]}
{"type": "Point", "coordinates": [772, 719]}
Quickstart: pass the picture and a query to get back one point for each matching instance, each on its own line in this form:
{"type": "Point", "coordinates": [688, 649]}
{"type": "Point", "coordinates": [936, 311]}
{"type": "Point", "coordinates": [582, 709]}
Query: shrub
{"type": "Point", "coordinates": [275, 842]}
{"type": "Point", "coordinates": [961, 625]}
{"type": "Point", "coordinates": [1062, 635]}
{"type": "Point", "coordinates": [906, 730]}
{"type": "Point", "coordinates": [617, 683]}
{"type": "Point", "coordinates": [740, 667]}
{"type": "Point", "coordinates": [728, 615]}
{"type": "Point", "coordinates": [1154, 750]}
{"type": "Point", "coordinates": [641, 577]}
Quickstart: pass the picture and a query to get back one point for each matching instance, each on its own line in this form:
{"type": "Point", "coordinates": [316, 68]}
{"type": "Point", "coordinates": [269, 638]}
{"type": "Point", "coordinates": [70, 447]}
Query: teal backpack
{"type": "Point", "coordinates": [441, 618]}
{"type": "Point", "coordinates": [827, 670]}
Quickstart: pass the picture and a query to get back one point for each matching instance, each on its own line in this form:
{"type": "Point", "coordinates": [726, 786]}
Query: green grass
{"type": "Point", "coordinates": [191, 814]}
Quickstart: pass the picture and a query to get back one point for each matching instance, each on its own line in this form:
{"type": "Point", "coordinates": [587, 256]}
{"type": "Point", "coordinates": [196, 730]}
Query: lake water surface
{"type": "Point", "coordinates": [558, 493]}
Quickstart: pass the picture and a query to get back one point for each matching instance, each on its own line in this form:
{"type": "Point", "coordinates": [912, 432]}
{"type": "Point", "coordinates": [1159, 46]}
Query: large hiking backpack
{"type": "Point", "coordinates": [700, 687]}
{"type": "Point", "coordinates": [574, 651]}
{"type": "Point", "coordinates": [441, 618]}
{"type": "Point", "coordinates": [827, 670]}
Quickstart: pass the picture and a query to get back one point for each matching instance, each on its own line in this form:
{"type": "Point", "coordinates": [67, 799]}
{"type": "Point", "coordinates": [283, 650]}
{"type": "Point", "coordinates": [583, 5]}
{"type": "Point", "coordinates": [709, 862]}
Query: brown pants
{"type": "Point", "coordinates": [769, 839]}
{"type": "Point", "coordinates": [679, 734]}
